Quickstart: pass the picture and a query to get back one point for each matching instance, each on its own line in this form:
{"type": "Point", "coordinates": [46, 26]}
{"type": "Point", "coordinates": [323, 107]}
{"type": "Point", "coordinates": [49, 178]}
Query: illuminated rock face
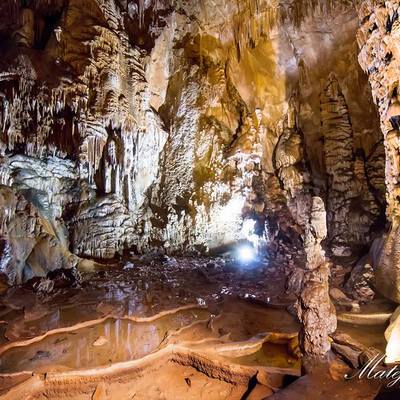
{"type": "Point", "coordinates": [129, 127]}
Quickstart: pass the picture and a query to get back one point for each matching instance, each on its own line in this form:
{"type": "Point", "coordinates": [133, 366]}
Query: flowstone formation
{"type": "Point", "coordinates": [379, 56]}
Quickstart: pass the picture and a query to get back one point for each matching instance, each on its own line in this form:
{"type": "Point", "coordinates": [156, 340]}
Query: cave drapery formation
{"type": "Point", "coordinates": [183, 127]}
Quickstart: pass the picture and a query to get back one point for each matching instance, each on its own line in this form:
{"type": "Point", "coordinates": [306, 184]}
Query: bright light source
{"type": "Point", "coordinates": [246, 254]}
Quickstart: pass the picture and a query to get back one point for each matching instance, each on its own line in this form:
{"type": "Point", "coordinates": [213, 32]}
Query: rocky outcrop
{"type": "Point", "coordinates": [93, 111]}
{"type": "Point", "coordinates": [29, 245]}
{"type": "Point", "coordinates": [98, 111]}
{"type": "Point", "coordinates": [361, 284]}
{"type": "Point", "coordinates": [102, 228]}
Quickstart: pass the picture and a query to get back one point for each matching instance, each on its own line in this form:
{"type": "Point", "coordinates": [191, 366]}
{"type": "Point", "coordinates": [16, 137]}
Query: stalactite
{"type": "Point", "coordinates": [142, 10]}
{"type": "Point", "coordinates": [257, 18]}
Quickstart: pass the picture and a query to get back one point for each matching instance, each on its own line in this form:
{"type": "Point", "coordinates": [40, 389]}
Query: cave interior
{"type": "Point", "coordinates": [198, 199]}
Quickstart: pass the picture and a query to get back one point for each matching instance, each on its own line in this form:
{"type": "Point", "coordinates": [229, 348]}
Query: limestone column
{"type": "Point", "coordinates": [314, 307]}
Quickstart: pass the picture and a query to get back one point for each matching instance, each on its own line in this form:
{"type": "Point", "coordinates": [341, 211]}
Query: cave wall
{"type": "Point", "coordinates": [189, 126]}
{"type": "Point", "coordinates": [379, 57]}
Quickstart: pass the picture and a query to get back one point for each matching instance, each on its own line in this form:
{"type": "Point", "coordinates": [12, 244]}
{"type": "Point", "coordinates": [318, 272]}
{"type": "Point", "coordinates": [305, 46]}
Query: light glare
{"type": "Point", "coordinates": [233, 209]}
{"type": "Point", "coordinates": [246, 254]}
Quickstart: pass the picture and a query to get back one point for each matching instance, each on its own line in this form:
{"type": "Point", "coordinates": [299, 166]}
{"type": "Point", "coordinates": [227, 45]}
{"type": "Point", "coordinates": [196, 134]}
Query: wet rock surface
{"type": "Point", "coordinates": [209, 322]}
{"type": "Point", "coordinates": [143, 287]}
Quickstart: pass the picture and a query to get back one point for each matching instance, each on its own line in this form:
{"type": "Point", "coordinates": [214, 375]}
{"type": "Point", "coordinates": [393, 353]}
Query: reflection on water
{"type": "Point", "coordinates": [368, 335]}
{"type": "Point", "coordinates": [271, 354]}
{"type": "Point", "coordinates": [114, 340]}
{"type": "Point", "coordinates": [117, 339]}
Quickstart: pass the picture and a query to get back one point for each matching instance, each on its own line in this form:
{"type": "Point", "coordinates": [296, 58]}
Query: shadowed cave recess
{"type": "Point", "coordinates": [199, 199]}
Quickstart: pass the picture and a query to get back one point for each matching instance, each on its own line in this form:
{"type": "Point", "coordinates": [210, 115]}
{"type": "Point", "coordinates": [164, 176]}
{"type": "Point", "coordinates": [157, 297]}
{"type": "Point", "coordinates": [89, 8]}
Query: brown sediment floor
{"type": "Point", "coordinates": [102, 343]}
{"type": "Point", "coordinates": [187, 329]}
{"type": "Point", "coordinates": [143, 290]}
{"type": "Point", "coordinates": [191, 330]}
{"type": "Point", "coordinates": [184, 354]}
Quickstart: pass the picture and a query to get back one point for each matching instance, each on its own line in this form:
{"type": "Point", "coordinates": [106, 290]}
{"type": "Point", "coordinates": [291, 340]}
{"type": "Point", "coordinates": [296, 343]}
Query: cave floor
{"type": "Point", "coordinates": [163, 329]}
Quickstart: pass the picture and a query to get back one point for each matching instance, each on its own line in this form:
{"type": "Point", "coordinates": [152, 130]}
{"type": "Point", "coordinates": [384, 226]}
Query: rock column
{"type": "Point", "coordinates": [314, 307]}
{"type": "Point", "coordinates": [311, 283]}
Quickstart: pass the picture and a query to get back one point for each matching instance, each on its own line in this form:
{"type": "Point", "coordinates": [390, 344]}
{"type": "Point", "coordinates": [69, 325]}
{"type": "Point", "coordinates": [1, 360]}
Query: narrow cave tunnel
{"type": "Point", "coordinates": [199, 199]}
